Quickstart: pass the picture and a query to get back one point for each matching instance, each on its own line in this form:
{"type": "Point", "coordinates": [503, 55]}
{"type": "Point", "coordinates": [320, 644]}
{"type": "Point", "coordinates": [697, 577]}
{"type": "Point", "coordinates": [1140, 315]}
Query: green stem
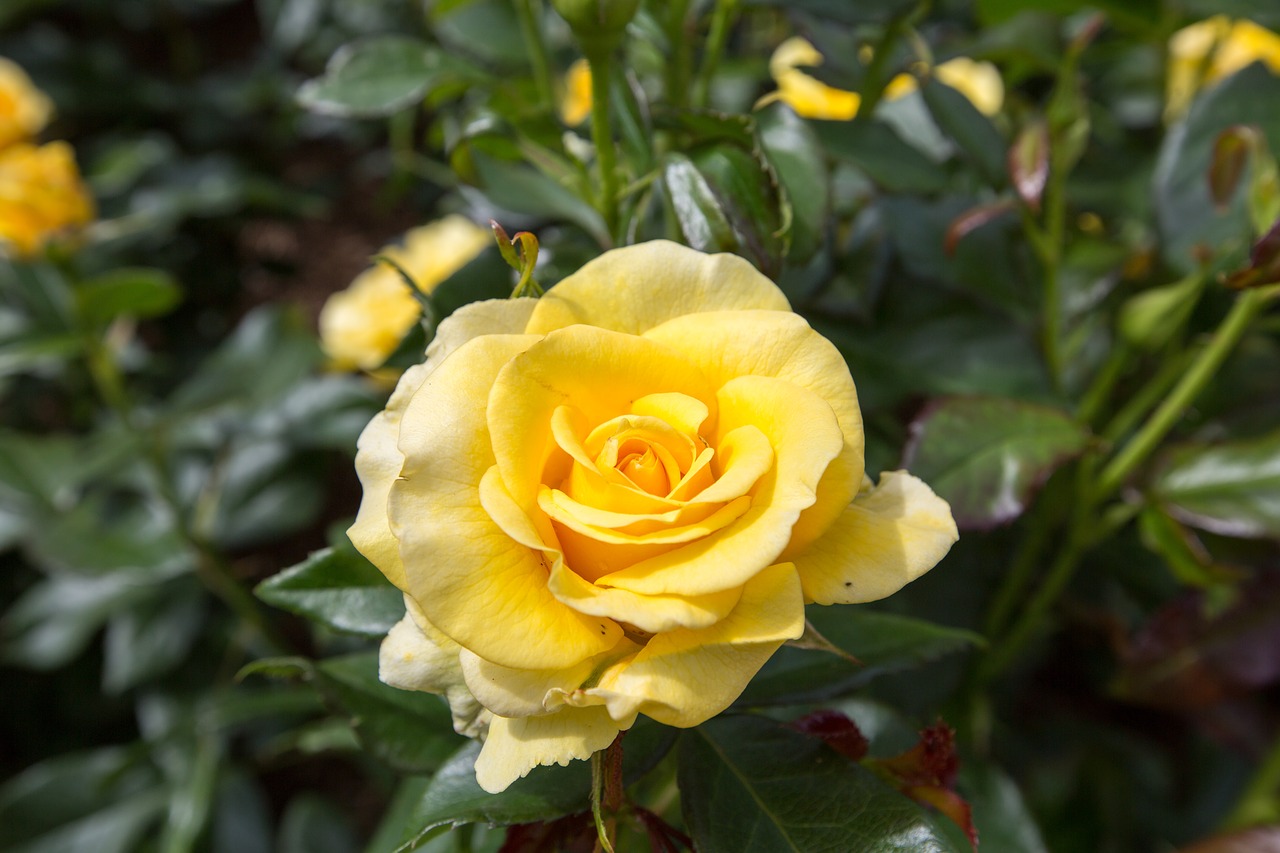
{"type": "Point", "coordinates": [1103, 384]}
{"type": "Point", "coordinates": [1247, 306]}
{"type": "Point", "coordinates": [721, 20]}
{"type": "Point", "coordinates": [1020, 572]}
{"type": "Point", "coordinates": [1055, 207]}
{"type": "Point", "coordinates": [528, 14]}
{"type": "Point", "coordinates": [678, 68]}
{"type": "Point", "coordinates": [601, 62]}
{"type": "Point", "coordinates": [601, 814]}
{"type": "Point", "coordinates": [874, 82]}
{"type": "Point", "coordinates": [1147, 397]}
{"type": "Point", "coordinates": [1260, 801]}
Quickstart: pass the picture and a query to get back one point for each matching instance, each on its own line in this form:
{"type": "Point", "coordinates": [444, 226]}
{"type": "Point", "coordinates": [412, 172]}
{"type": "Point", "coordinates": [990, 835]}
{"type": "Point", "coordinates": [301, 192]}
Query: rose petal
{"type": "Point", "coordinates": [378, 459]}
{"type": "Point", "coordinates": [474, 582]}
{"type": "Point", "coordinates": [413, 656]}
{"type": "Point", "coordinates": [887, 537]}
{"type": "Point", "coordinates": [511, 692]}
{"type": "Point", "coordinates": [805, 437]}
{"type": "Point", "coordinates": [635, 288]}
{"type": "Point", "coordinates": [686, 677]}
{"type": "Point", "coordinates": [781, 345]}
{"type": "Point", "coordinates": [516, 746]}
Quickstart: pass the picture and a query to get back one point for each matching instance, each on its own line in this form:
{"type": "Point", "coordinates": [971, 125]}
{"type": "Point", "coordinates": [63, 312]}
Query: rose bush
{"type": "Point", "coordinates": [617, 499]}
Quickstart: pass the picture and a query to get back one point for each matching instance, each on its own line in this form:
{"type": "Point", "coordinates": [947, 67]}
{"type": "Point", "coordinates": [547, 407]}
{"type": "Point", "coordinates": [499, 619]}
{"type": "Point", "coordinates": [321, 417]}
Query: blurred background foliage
{"type": "Point", "coordinates": [1054, 306]}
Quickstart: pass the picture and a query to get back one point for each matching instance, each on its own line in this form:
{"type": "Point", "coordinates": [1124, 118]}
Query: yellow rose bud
{"type": "Point", "coordinates": [41, 195]}
{"type": "Point", "coordinates": [811, 98]}
{"type": "Point", "coordinates": [362, 325]}
{"type": "Point", "coordinates": [24, 109]}
{"type": "Point", "coordinates": [575, 107]}
{"type": "Point", "coordinates": [1212, 49]}
{"type": "Point", "coordinates": [617, 499]}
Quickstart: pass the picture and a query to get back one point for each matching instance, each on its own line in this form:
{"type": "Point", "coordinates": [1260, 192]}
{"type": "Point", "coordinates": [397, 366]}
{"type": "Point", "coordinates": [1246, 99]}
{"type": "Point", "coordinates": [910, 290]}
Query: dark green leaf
{"type": "Point", "coordinates": [1190, 222]}
{"type": "Point", "coordinates": [267, 491]}
{"type": "Point", "coordinates": [881, 642]}
{"type": "Point", "coordinates": [1003, 821]}
{"type": "Point", "coordinates": [791, 146]}
{"type": "Point", "coordinates": [35, 351]}
{"type": "Point", "coordinates": [241, 817]}
{"type": "Point", "coordinates": [340, 588]}
{"type": "Point", "coordinates": [376, 77]}
{"type": "Point", "coordinates": [1231, 488]}
{"type": "Point", "coordinates": [313, 825]}
{"type": "Point", "coordinates": [486, 276]}
{"type": "Point", "coordinates": [988, 455]}
{"type": "Point", "coordinates": [1144, 13]}
{"type": "Point", "coordinates": [151, 637]}
{"type": "Point", "coordinates": [138, 292]}
{"type": "Point", "coordinates": [411, 731]}
{"type": "Point", "coordinates": [523, 189]}
{"type": "Point", "coordinates": [746, 189]}
{"type": "Point", "coordinates": [972, 131]}
{"type": "Point", "coordinates": [751, 784]}
{"type": "Point", "coordinates": [879, 151]}
{"type": "Point", "coordinates": [702, 220]}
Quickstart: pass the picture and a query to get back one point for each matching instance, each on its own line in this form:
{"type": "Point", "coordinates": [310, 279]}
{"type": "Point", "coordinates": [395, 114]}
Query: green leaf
{"type": "Point", "coordinates": [375, 77]}
{"type": "Point", "coordinates": [882, 643]}
{"type": "Point", "coordinates": [792, 147]}
{"type": "Point", "coordinates": [1232, 488]}
{"type": "Point", "coordinates": [520, 188]}
{"type": "Point", "coordinates": [136, 292]}
{"type": "Point", "coordinates": [701, 218]}
{"type": "Point", "coordinates": [746, 190]}
{"type": "Point", "coordinates": [751, 784]}
{"type": "Point", "coordinates": [339, 588]}
{"type": "Point", "coordinates": [1189, 221]}
{"type": "Point", "coordinates": [1144, 13]}
{"type": "Point", "coordinates": [486, 276]}
{"type": "Point", "coordinates": [1004, 823]}
{"type": "Point", "coordinates": [26, 353]}
{"type": "Point", "coordinates": [153, 636]}
{"type": "Point", "coordinates": [988, 455]}
{"type": "Point", "coordinates": [311, 824]}
{"type": "Point", "coordinates": [454, 797]}
{"type": "Point", "coordinates": [411, 731]}
{"type": "Point", "coordinates": [882, 154]}
{"type": "Point", "coordinates": [972, 131]}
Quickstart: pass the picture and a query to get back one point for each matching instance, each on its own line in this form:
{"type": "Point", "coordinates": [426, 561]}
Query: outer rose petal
{"type": "Point", "coordinates": [686, 677]}
{"type": "Point", "coordinates": [636, 288]}
{"type": "Point", "coordinates": [516, 746]}
{"type": "Point", "coordinates": [771, 343]}
{"type": "Point", "coordinates": [474, 582]}
{"type": "Point", "coordinates": [416, 657]}
{"type": "Point", "coordinates": [888, 537]}
{"type": "Point", "coordinates": [378, 459]}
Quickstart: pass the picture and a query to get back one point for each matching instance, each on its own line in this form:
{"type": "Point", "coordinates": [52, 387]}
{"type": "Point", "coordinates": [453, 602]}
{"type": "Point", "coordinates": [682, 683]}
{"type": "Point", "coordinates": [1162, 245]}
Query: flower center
{"type": "Point", "coordinates": [646, 471]}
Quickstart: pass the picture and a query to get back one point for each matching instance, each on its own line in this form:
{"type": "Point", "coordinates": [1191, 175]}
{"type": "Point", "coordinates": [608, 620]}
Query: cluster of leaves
{"type": "Point", "coordinates": [1055, 316]}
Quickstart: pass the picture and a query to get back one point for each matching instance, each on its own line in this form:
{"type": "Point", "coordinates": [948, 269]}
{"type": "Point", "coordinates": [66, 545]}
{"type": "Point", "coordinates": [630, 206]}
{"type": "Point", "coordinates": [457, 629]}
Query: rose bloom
{"type": "Point", "coordinates": [41, 196]}
{"type": "Point", "coordinates": [811, 98]}
{"type": "Point", "coordinates": [362, 325]}
{"type": "Point", "coordinates": [24, 109]}
{"type": "Point", "coordinates": [617, 499]}
{"type": "Point", "coordinates": [1210, 50]}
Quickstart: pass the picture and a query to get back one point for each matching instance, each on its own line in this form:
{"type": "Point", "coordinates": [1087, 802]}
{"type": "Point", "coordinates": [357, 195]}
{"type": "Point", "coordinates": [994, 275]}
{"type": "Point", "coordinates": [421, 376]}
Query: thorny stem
{"type": "Point", "coordinates": [681, 53]}
{"type": "Point", "coordinates": [606, 793]}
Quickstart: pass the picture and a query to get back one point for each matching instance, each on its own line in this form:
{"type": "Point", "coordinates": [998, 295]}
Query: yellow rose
{"type": "Point", "coordinates": [24, 109]}
{"type": "Point", "coordinates": [575, 106]}
{"type": "Point", "coordinates": [1210, 50]}
{"type": "Point", "coordinates": [978, 81]}
{"type": "Point", "coordinates": [616, 500]}
{"type": "Point", "coordinates": [362, 325]}
{"type": "Point", "coordinates": [41, 195]}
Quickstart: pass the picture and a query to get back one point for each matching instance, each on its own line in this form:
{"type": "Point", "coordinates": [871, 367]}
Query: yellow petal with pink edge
{"type": "Point", "coordinates": [805, 437]}
{"type": "Point", "coordinates": [378, 458]}
{"type": "Point", "coordinates": [685, 677]}
{"type": "Point", "coordinates": [781, 345]}
{"type": "Point", "coordinates": [635, 288]}
{"type": "Point", "coordinates": [600, 372]}
{"type": "Point", "coordinates": [517, 745]}
{"type": "Point", "coordinates": [888, 537]}
{"type": "Point", "coordinates": [474, 582]}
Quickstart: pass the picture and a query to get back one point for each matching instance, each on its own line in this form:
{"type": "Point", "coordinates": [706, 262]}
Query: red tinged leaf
{"type": "Point", "coordinates": [948, 803]}
{"type": "Point", "coordinates": [663, 837]}
{"type": "Point", "coordinates": [973, 219]}
{"type": "Point", "coordinates": [1029, 163]}
{"type": "Point", "coordinates": [932, 761]}
{"type": "Point", "coordinates": [838, 731]}
{"type": "Point", "coordinates": [573, 833]}
{"type": "Point", "coordinates": [1264, 262]}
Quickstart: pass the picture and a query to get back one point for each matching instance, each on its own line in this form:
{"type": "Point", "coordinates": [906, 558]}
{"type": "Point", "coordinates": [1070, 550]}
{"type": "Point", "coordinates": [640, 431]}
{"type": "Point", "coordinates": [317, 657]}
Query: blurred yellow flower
{"type": "Point", "coordinates": [24, 109]}
{"type": "Point", "coordinates": [41, 194]}
{"type": "Point", "coordinates": [362, 325]}
{"type": "Point", "coordinates": [1210, 50]}
{"type": "Point", "coordinates": [978, 81]}
{"type": "Point", "coordinates": [575, 106]}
